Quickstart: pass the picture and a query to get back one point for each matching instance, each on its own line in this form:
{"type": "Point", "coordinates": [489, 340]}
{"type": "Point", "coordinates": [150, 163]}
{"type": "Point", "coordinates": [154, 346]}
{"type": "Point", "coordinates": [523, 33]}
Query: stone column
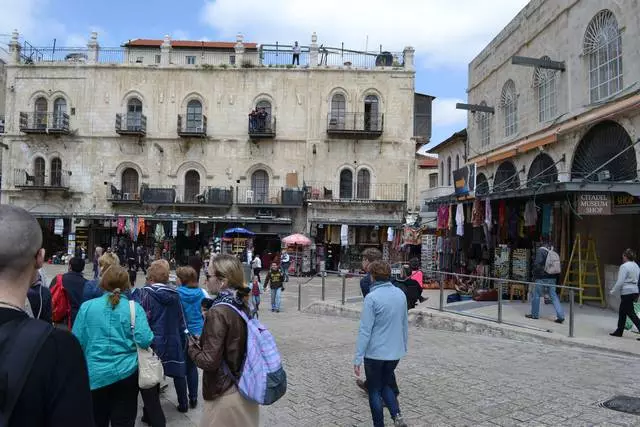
{"type": "Point", "coordinates": [165, 51]}
{"type": "Point", "coordinates": [14, 48]}
{"type": "Point", "coordinates": [93, 47]}
{"type": "Point", "coordinates": [313, 51]}
{"type": "Point", "coordinates": [409, 58]}
{"type": "Point", "coordinates": [239, 47]}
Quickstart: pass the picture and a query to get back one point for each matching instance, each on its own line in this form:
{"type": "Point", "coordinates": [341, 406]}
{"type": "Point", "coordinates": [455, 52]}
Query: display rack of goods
{"type": "Point", "coordinates": [520, 264]}
{"type": "Point", "coordinates": [501, 262]}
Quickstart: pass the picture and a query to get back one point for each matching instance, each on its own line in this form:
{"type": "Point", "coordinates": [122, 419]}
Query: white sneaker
{"type": "Point", "coordinates": [399, 422]}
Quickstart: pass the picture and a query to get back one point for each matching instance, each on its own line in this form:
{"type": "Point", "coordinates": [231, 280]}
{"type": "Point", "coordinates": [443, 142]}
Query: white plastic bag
{"type": "Point", "coordinates": [150, 372]}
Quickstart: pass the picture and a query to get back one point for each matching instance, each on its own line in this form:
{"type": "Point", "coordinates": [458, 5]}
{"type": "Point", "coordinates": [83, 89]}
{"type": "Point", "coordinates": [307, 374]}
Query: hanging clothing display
{"type": "Point", "coordinates": [344, 235]}
{"type": "Point", "coordinates": [460, 219]}
{"type": "Point", "coordinates": [142, 229]}
{"type": "Point", "coordinates": [477, 213]}
{"type": "Point", "coordinates": [197, 231]}
{"type": "Point", "coordinates": [58, 227]}
{"type": "Point", "coordinates": [443, 217]}
{"type": "Point", "coordinates": [502, 213]}
{"type": "Point", "coordinates": [159, 233]}
{"type": "Point", "coordinates": [450, 222]}
{"type": "Point", "coordinates": [530, 214]}
{"type": "Point", "coordinates": [120, 228]}
{"type": "Point", "coordinates": [174, 228]}
{"type": "Point", "coordinates": [546, 220]}
{"type": "Point", "coordinates": [134, 230]}
{"type": "Point", "coordinates": [390, 233]}
{"type": "Point", "coordinates": [488, 214]}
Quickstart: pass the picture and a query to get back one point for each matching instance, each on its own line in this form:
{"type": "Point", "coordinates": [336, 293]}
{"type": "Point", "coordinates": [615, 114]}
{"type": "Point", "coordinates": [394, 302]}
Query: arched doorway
{"type": "Point", "coordinates": [346, 184]}
{"type": "Point", "coordinates": [130, 182]}
{"type": "Point", "coordinates": [506, 178]}
{"type": "Point", "coordinates": [542, 171]}
{"type": "Point", "coordinates": [601, 144]}
{"type": "Point", "coordinates": [482, 185]}
{"type": "Point", "coordinates": [191, 186]}
{"type": "Point", "coordinates": [260, 186]}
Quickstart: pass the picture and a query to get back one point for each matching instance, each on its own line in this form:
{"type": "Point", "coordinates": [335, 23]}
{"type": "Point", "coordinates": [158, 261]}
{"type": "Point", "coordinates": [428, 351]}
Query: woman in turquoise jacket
{"type": "Point", "coordinates": [103, 327]}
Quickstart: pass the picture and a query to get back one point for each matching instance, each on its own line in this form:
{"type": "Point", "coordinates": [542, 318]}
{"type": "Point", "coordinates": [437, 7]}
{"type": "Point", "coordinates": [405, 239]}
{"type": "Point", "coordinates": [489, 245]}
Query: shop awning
{"type": "Point", "coordinates": [556, 188]}
{"type": "Point", "coordinates": [360, 222]}
{"type": "Point", "coordinates": [168, 217]}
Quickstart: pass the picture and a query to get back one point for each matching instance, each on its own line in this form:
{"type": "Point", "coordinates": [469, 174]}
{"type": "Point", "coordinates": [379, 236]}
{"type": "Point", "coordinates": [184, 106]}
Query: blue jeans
{"type": "Point", "coordinates": [541, 285]}
{"type": "Point", "coordinates": [285, 270]}
{"type": "Point", "coordinates": [275, 299]}
{"type": "Point", "coordinates": [192, 377]}
{"type": "Point", "coordinates": [379, 380]}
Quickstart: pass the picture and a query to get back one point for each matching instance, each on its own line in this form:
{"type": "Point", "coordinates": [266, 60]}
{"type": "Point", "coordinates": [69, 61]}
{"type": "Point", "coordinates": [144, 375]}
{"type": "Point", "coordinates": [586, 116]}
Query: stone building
{"type": "Point", "coordinates": [562, 79]}
{"type": "Point", "coordinates": [162, 130]}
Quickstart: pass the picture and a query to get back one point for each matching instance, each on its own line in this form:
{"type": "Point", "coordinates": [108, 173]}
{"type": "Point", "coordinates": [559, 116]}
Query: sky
{"type": "Point", "coordinates": [447, 35]}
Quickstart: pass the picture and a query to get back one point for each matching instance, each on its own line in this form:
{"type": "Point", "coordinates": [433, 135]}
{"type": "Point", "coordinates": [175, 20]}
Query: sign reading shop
{"type": "Point", "coordinates": [594, 204]}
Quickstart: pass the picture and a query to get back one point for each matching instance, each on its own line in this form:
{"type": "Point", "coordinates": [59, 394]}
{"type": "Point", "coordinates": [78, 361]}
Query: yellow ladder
{"type": "Point", "coordinates": [583, 271]}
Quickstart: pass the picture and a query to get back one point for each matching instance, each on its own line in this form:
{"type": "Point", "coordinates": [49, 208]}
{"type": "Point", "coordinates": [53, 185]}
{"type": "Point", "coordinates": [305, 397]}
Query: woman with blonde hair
{"type": "Point", "coordinates": [92, 288]}
{"type": "Point", "coordinates": [103, 327]}
{"type": "Point", "coordinates": [221, 349]}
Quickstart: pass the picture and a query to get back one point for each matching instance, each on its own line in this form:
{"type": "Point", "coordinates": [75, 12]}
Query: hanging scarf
{"type": "Point", "coordinates": [229, 296]}
{"type": "Point", "coordinates": [477, 213]}
{"type": "Point", "coordinates": [135, 229]}
{"type": "Point", "coordinates": [460, 220]}
{"type": "Point", "coordinates": [487, 214]}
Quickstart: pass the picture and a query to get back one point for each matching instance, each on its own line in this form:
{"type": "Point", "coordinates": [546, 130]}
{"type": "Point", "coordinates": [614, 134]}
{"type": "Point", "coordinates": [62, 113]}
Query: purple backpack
{"type": "Point", "coordinates": [263, 379]}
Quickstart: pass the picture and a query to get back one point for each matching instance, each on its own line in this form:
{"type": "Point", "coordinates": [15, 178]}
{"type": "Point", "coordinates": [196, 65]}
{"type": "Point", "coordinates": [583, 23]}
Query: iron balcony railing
{"type": "Point", "coordinates": [42, 122]}
{"type": "Point", "coordinates": [355, 124]}
{"type": "Point", "coordinates": [203, 196]}
{"type": "Point", "coordinates": [57, 180]}
{"type": "Point", "coordinates": [269, 196]}
{"type": "Point", "coordinates": [123, 195]}
{"type": "Point", "coordinates": [131, 124]}
{"type": "Point", "coordinates": [192, 126]}
{"type": "Point", "coordinates": [262, 127]}
{"type": "Point", "coordinates": [1, 124]}
{"type": "Point", "coordinates": [269, 55]}
{"type": "Point", "coordinates": [353, 191]}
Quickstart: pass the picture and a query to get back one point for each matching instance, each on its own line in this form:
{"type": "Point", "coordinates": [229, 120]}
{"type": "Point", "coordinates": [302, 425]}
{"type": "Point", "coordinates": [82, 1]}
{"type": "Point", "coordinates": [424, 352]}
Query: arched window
{"type": "Point", "coordinates": [448, 170]}
{"type": "Point", "coordinates": [194, 116]}
{"type": "Point", "coordinates": [484, 124]}
{"type": "Point", "coordinates": [346, 184]}
{"type": "Point", "coordinates": [130, 182]}
{"type": "Point", "coordinates": [505, 178]}
{"type": "Point", "coordinates": [260, 186]}
{"type": "Point", "coordinates": [442, 174]}
{"type": "Point", "coordinates": [603, 48]}
{"type": "Point", "coordinates": [59, 110]}
{"type": "Point", "coordinates": [482, 185]}
{"type": "Point", "coordinates": [509, 104]}
{"type": "Point", "coordinates": [134, 114]}
{"type": "Point", "coordinates": [191, 186]}
{"type": "Point", "coordinates": [363, 189]}
{"type": "Point", "coordinates": [56, 172]}
{"type": "Point", "coordinates": [544, 84]}
{"type": "Point", "coordinates": [264, 104]}
{"type": "Point", "coordinates": [457, 162]}
{"type": "Point", "coordinates": [338, 111]}
{"type": "Point", "coordinates": [371, 113]}
{"type": "Point", "coordinates": [542, 171]}
{"type": "Point", "coordinates": [40, 113]}
{"type": "Point", "coordinates": [38, 171]}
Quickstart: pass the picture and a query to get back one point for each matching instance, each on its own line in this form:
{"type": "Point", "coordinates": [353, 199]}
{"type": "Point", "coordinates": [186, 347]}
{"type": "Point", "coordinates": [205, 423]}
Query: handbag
{"type": "Point", "coordinates": [150, 371]}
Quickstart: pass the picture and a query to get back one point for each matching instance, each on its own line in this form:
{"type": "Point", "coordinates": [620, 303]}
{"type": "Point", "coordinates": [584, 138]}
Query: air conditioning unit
{"type": "Point", "coordinates": [265, 213]}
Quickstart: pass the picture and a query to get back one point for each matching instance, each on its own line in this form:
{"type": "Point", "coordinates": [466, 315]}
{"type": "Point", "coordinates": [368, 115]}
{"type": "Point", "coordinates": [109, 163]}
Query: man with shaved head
{"type": "Point", "coordinates": [43, 373]}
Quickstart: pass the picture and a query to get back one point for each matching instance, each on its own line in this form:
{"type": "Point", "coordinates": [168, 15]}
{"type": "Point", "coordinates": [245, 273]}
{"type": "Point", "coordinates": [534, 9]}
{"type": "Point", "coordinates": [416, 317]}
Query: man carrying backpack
{"type": "Point", "coordinates": [67, 294]}
{"type": "Point", "coordinates": [546, 271]}
{"type": "Point", "coordinates": [43, 373]}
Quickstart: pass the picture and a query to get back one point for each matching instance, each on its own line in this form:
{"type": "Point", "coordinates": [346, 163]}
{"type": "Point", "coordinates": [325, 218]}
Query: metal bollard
{"type": "Point", "coordinates": [344, 286]}
{"type": "Point", "coordinates": [322, 272]}
{"type": "Point", "coordinates": [571, 304]}
{"type": "Point", "coordinates": [441, 292]}
{"type": "Point", "coordinates": [299, 295]}
{"type": "Point", "coordinates": [499, 302]}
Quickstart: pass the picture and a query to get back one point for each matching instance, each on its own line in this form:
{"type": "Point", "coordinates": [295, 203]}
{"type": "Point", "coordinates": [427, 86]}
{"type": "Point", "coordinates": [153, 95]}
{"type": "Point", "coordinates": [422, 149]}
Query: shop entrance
{"type": "Point", "coordinates": [52, 243]}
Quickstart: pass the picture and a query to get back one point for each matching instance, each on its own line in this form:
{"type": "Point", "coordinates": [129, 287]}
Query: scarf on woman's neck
{"type": "Point", "coordinates": [229, 296]}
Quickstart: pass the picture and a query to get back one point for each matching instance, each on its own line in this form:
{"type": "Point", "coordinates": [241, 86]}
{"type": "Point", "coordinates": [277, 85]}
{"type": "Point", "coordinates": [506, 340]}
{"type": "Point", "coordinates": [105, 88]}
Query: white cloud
{"type": "Point", "coordinates": [445, 113]}
{"type": "Point", "coordinates": [443, 33]}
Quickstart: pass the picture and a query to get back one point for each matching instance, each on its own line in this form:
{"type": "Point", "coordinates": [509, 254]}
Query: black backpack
{"type": "Point", "coordinates": [20, 342]}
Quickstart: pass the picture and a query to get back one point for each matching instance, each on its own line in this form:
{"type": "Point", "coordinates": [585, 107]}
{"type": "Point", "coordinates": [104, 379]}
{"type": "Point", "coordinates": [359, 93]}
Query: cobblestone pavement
{"type": "Point", "coordinates": [447, 379]}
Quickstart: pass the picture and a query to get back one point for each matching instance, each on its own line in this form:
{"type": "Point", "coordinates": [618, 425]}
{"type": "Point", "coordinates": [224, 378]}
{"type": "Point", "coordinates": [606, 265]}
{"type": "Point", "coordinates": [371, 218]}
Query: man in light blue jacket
{"type": "Point", "coordinates": [382, 342]}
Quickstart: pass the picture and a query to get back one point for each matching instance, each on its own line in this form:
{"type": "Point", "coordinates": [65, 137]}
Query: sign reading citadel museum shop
{"type": "Point", "coordinates": [594, 204]}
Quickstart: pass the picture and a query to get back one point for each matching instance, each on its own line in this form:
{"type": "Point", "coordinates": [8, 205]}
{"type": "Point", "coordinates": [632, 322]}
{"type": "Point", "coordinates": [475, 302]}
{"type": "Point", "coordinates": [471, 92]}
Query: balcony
{"type": "Point", "coordinates": [262, 128]}
{"type": "Point", "coordinates": [192, 128]}
{"type": "Point", "coordinates": [159, 196]}
{"type": "Point", "coordinates": [207, 197]}
{"type": "Point", "coordinates": [123, 196]}
{"type": "Point", "coordinates": [58, 181]}
{"type": "Point", "coordinates": [355, 125]}
{"type": "Point", "coordinates": [132, 124]}
{"type": "Point", "coordinates": [273, 197]}
{"type": "Point", "coordinates": [1, 124]}
{"type": "Point", "coordinates": [44, 123]}
{"type": "Point", "coordinates": [334, 192]}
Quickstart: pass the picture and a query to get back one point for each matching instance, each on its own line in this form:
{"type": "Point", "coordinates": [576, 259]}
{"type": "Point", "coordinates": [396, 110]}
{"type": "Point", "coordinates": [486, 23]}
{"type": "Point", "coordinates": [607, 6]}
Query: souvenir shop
{"type": "Point", "coordinates": [55, 238]}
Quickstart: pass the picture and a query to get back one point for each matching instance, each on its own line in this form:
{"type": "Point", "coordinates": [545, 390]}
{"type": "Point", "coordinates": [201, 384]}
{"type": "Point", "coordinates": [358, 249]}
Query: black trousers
{"type": "Point", "coordinates": [116, 403]}
{"type": "Point", "coordinates": [256, 272]}
{"type": "Point", "coordinates": [626, 309]}
{"type": "Point", "coordinates": [296, 59]}
{"type": "Point", "coordinates": [152, 409]}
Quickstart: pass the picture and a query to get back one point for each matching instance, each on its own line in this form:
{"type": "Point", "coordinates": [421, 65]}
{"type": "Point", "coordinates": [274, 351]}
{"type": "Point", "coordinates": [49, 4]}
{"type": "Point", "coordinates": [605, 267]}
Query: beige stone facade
{"type": "Point", "coordinates": [310, 145]}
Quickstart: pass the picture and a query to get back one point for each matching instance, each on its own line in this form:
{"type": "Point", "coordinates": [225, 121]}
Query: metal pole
{"type": "Point", "coordinates": [441, 292]}
{"type": "Point", "coordinates": [299, 295]}
{"type": "Point", "coordinates": [322, 272]}
{"type": "Point", "coordinates": [571, 304]}
{"type": "Point", "coordinates": [344, 285]}
{"type": "Point", "coordinates": [499, 302]}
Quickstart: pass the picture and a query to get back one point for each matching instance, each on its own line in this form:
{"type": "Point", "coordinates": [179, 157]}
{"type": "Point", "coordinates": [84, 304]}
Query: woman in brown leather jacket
{"type": "Point", "coordinates": [221, 349]}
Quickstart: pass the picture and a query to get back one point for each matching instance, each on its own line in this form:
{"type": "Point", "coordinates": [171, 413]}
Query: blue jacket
{"type": "Point", "coordinates": [384, 326]}
{"type": "Point", "coordinates": [107, 340]}
{"type": "Point", "coordinates": [162, 305]}
{"type": "Point", "coordinates": [191, 299]}
{"type": "Point", "coordinates": [92, 290]}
